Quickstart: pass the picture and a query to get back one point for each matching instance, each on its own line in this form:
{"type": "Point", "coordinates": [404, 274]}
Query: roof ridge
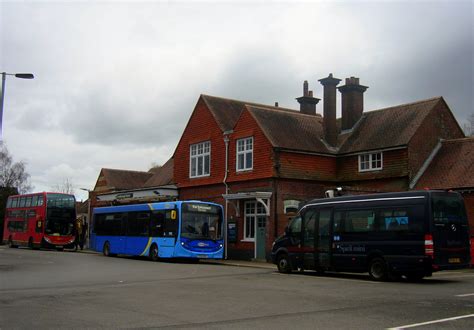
{"type": "Point", "coordinates": [116, 169]}
{"type": "Point", "coordinates": [249, 103]}
{"type": "Point", "coordinates": [464, 139]}
{"type": "Point", "coordinates": [406, 104]}
{"type": "Point", "coordinates": [285, 110]}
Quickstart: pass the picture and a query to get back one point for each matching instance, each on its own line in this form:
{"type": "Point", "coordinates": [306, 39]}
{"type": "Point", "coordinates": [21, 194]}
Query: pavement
{"type": "Point", "coordinates": [227, 262]}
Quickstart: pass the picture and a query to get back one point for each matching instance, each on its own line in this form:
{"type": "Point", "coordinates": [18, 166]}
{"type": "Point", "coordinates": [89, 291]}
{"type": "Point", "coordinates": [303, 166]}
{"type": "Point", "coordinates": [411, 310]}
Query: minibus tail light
{"type": "Point", "coordinates": [429, 247]}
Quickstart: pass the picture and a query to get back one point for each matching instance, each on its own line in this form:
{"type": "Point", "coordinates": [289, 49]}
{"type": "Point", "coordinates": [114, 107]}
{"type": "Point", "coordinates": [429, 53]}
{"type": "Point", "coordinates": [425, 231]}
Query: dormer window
{"type": "Point", "coordinates": [370, 162]}
{"type": "Point", "coordinates": [244, 154]}
{"type": "Point", "coordinates": [200, 159]}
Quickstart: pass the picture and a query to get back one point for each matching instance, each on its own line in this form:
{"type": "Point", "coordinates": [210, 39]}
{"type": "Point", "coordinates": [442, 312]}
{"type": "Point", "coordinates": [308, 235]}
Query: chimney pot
{"type": "Point", "coordinates": [305, 88]}
{"type": "Point", "coordinates": [307, 101]}
{"type": "Point", "coordinates": [276, 104]}
{"type": "Point", "coordinates": [352, 102]}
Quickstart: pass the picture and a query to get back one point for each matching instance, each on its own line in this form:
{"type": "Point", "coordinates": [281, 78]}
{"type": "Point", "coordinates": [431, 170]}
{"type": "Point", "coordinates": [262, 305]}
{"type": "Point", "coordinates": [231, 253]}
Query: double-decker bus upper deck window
{"type": "Point", "coordinates": [34, 200]}
{"type": "Point", "coordinates": [28, 201]}
{"type": "Point", "coordinates": [15, 202]}
{"type": "Point", "coordinates": [448, 208]}
{"type": "Point", "coordinates": [22, 202]}
{"type": "Point", "coordinates": [9, 202]}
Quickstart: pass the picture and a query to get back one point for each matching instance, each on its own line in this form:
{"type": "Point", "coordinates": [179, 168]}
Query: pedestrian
{"type": "Point", "coordinates": [78, 228]}
{"type": "Point", "coordinates": [83, 234]}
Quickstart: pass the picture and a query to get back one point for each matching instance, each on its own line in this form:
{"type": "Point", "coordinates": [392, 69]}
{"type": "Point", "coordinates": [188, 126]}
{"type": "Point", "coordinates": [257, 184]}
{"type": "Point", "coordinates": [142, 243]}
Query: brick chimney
{"type": "Point", "coordinates": [352, 102]}
{"type": "Point", "coordinates": [307, 101]}
{"type": "Point", "coordinates": [329, 108]}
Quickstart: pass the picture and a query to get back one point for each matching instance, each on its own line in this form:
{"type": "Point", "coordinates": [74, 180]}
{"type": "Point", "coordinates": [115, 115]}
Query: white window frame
{"type": "Point", "coordinates": [370, 160]}
{"type": "Point", "coordinates": [258, 211]}
{"type": "Point", "coordinates": [198, 151]}
{"type": "Point", "coordinates": [244, 150]}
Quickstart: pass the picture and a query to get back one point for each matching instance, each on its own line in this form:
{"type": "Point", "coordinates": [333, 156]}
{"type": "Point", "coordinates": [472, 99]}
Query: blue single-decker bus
{"type": "Point", "coordinates": [179, 229]}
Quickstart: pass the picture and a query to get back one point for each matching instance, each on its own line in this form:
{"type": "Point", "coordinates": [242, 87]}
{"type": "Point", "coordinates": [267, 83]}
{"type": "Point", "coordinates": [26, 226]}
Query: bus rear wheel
{"type": "Point", "coordinates": [378, 269]}
{"type": "Point", "coordinates": [284, 263]}
{"type": "Point", "coordinates": [10, 243]}
{"type": "Point", "coordinates": [106, 249]}
{"type": "Point", "coordinates": [153, 255]}
{"type": "Point", "coordinates": [30, 243]}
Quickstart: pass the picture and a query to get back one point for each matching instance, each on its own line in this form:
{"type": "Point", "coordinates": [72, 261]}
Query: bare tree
{"type": "Point", "coordinates": [66, 187]}
{"type": "Point", "coordinates": [13, 175]}
{"type": "Point", "coordinates": [469, 127]}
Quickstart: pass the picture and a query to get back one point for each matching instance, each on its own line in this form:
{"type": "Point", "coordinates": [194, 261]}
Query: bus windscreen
{"type": "Point", "coordinates": [201, 221]}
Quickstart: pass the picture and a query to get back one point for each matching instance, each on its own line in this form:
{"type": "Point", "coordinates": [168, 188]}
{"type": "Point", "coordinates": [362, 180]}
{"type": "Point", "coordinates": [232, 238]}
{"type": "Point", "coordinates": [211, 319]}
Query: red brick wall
{"type": "Point", "coordinates": [308, 167]}
{"type": "Point", "coordinates": [395, 164]}
{"type": "Point", "coordinates": [439, 124]}
{"type": "Point", "coordinates": [201, 127]}
{"type": "Point", "coordinates": [262, 150]}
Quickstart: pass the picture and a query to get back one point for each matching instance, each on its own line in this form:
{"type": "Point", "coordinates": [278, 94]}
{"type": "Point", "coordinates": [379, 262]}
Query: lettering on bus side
{"type": "Point", "coordinates": [344, 248]}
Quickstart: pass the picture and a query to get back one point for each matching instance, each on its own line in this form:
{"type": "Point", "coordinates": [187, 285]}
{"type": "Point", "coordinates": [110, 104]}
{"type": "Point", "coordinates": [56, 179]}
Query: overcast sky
{"type": "Point", "coordinates": [115, 82]}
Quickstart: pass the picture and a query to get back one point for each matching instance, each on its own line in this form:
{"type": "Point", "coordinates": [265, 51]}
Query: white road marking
{"type": "Point", "coordinates": [465, 295]}
{"type": "Point", "coordinates": [431, 322]}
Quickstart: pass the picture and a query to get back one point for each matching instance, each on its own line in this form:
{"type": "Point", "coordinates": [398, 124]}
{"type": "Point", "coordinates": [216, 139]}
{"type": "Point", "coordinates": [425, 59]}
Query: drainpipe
{"type": "Point", "coordinates": [226, 142]}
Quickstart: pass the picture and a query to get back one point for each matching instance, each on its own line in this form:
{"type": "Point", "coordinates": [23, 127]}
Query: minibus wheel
{"type": "Point", "coordinates": [378, 270]}
{"type": "Point", "coordinates": [284, 263]}
{"type": "Point", "coordinates": [153, 255]}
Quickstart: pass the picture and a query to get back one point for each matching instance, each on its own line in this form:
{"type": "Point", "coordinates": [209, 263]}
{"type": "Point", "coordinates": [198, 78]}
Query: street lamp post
{"type": "Point", "coordinates": [2, 96]}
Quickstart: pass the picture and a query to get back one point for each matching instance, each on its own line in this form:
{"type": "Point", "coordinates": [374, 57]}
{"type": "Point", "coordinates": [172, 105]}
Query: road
{"type": "Point", "coordinates": [51, 289]}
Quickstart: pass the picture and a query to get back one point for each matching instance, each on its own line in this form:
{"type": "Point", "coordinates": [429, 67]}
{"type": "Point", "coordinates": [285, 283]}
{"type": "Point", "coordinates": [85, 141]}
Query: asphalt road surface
{"type": "Point", "coordinates": [51, 289]}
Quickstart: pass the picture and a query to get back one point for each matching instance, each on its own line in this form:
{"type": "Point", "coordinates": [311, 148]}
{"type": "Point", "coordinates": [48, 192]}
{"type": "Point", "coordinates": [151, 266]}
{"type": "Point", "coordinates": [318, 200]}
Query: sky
{"type": "Point", "coordinates": [116, 82]}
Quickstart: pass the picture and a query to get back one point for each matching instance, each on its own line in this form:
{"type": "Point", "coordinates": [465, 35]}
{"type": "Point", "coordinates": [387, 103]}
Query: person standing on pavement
{"type": "Point", "coordinates": [84, 232]}
{"type": "Point", "coordinates": [78, 228]}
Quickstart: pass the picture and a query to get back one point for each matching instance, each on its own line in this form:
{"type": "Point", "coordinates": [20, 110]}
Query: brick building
{"type": "Point", "coordinates": [451, 167]}
{"type": "Point", "coordinates": [262, 161]}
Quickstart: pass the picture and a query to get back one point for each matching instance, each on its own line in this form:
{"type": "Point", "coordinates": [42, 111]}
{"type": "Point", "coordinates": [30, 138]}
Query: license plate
{"type": "Point", "coordinates": [203, 256]}
{"type": "Point", "coordinates": [454, 260]}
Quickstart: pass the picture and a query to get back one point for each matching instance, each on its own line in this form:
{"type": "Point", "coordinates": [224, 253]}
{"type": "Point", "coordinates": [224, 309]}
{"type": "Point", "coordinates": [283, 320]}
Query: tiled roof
{"type": "Point", "coordinates": [389, 127]}
{"type": "Point", "coordinates": [227, 111]}
{"type": "Point", "coordinates": [124, 179]}
{"type": "Point", "coordinates": [162, 175]}
{"type": "Point", "coordinates": [452, 167]}
{"type": "Point", "coordinates": [290, 129]}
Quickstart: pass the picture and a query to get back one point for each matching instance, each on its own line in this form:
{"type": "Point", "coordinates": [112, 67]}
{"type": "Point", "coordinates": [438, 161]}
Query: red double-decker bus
{"type": "Point", "coordinates": [40, 220]}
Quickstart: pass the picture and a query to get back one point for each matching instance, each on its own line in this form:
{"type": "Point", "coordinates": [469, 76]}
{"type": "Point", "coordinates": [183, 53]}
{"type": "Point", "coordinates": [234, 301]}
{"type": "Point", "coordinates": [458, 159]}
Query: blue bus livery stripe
{"type": "Point", "coordinates": [145, 252]}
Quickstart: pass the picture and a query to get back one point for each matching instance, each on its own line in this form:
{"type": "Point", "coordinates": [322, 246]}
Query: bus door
{"type": "Point", "coordinates": [165, 225]}
{"type": "Point", "coordinates": [323, 239]}
{"type": "Point", "coordinates": [308, 247]}
{"type": "Point", "coordinates": [450, 230]}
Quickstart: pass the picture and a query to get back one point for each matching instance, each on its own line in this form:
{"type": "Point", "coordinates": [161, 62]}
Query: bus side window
{"type": "Point", "coordinates": [34, 201]}
{"type": "Point", "coordinates": [9, 202]}
{"type": "Point", "coordinates": [359, 221]}
{"type": "Point", "coordinates": [22, 202]}
{"type": "Point", "coordinates": [156, 223]}
{"type": "Point", "coordinates": [15, 202]}
{"type": "Point", "coordinates": [171, 224]}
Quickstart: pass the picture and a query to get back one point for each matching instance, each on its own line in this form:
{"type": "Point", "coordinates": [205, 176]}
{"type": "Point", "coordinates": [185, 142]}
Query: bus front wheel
{"type": "Point", "coordinates": [378, 269]}
{"type": "Point", "coordinates": [153, 253]}
{"type": "Point", "coordinates": [106, 249]}
{"type": "Point", "coordinates": [284, 263]}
